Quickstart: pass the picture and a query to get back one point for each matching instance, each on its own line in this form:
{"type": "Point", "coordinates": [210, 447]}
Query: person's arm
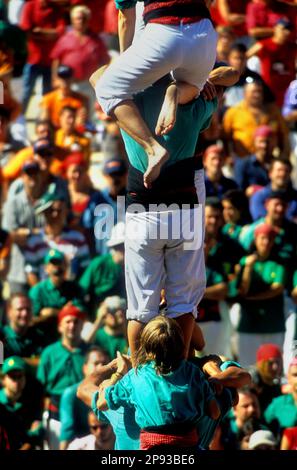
{"type": "Point", "coordinates": [233, 376]}
{"type": "Point", "coordinates": [217, 292]}
{"type": "Point", "coordinates": [260, 32]}
{"type": "Point", "coordinates": [247, 274]}
{"type": "Point", "coordinates": [224, 76]}
{"type": "Point", "coordinates": [99, 322]}
{"type": "Point", "coordinates": [254, 50]}
{"type": "Point", "coordinates": [126, 27]}
{"type": "Point", "coordinates": [273, 291]}
{"type": "Point", "coordinates": [227, 15]}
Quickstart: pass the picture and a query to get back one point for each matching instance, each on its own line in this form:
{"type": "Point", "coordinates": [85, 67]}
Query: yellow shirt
{"type": "Point", "coordinates": [53, 102]}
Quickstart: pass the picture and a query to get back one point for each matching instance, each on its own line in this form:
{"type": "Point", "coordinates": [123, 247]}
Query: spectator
{"type": "Point", "coordinates": [63, 96]}
{"type": "Point", "coordinates": [233, 14]}
{"type": "Point", "coordinates": [226, 38]}
{"type": "Point", "coordinates": [73, 412]}
{"type": "Point", "coordinates": [20, 338]}
{"type": "Point", "coordinates": [55, 235]}
{"type": "Point", "coordinates": [216, 184]}
{"type": "Point", "coordinates": [109, 329]}
{"type": "Point", "coordinates": [290, 113]}
{"type": "Point", "coordinates": [105, 274]}
{"type": "Point", "coordinates": [235, 213]}
{"type": "Point", "coordinates": [51, 294]}
{"type": "Point", "coordinates": [262, 440]}
{"type": "Point", "coordinates": [101, 436]}
{"type": "Point", "coordinates": [277, 59]}
{"type": "Point", "coordinates": [97, 16]}
{"type": "Point", "coordinates": [20, 220]}
{"type": "Point", "coordinates": [43, 24]}
{"type": "Point", "coordinates": [267, 374]}
{"type": "Point", "coordinates": [261, 283]}
{"type": "Point", "coordinates": [240, 122]}
{"type": "Point", "coordinates": [5, 246]}
{"type": "Point", "coordinates": [279, 176]}
{"type": "Point", "coordinates": [263, 14]}
{"type": "Point", "coordinates": [252, 172]}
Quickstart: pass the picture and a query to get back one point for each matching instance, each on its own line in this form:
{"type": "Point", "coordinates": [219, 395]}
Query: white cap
{"type": "Point", "coordinates": [117, 236]}
{"type": "Point", "coordinates": [261, 437]}
{"type": "Point", "coordinates": [115, 303]}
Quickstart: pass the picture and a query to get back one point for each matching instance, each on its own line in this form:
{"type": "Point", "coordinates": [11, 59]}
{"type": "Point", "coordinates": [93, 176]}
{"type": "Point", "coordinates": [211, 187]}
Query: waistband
{"type": "Point", "coordinates": [149, 440]}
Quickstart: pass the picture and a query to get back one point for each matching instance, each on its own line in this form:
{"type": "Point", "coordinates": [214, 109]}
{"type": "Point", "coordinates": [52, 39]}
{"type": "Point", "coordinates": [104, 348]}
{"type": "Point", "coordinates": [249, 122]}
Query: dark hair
{"type": "Point", "coordinates": [161, 341]}
{"type": "Point", "coordinates": [97, 349]}
{"type": "Point", "coordinates": [238, 48]}
{"type": "Point", "coordinates": [15, 296]}
{"type": "Point", "coordinates": [214, 203]}
{"type": "Point", "coordinates": [67, 108]}
{"type": "Point", "coordinates": [5, 114]}
{"type": "Point", "coordinates": [280, 160]}
{"type": "Point", "coordinates": [239, 200]}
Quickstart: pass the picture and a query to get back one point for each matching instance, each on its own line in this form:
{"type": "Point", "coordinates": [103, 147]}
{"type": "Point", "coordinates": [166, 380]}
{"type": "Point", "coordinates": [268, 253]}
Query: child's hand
{"type": "Point", "coordinates": [123, 363]}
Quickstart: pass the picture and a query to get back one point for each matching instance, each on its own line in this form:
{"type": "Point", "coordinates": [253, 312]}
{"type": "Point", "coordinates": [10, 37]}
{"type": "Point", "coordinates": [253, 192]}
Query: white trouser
{"type": "Point", "coordinates": [248, 343]}
{"type": "Point", "coordinates": [189, 50]}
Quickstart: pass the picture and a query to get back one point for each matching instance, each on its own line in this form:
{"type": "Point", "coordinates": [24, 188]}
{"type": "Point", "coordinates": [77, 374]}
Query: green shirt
{"type": "Point", "coordinates": [263, 316]}
{"type": "Point", "coordinates": [180, 396]}
{"type": "Point", "coordinates": [59, 368]}
{"type": "Point", "coordinates": [283, 411]}
{"type": "Point", "coordinates": [111, 344]}
{"type": "Point", "coordinates": [28, 345]}
{"type": "Point", "coordinates": [232, 230]}
{"type": "Point", "coordinates": [73, 415]}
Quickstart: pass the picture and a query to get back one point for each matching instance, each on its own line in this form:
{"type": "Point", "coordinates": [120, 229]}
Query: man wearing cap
{"type": "Point", "coordinates": [262, 440]}
{"type": "Point", "coordinates": [279, 180]}
{"type": "Point", "coordinates": [52, 103]}
{"type": "Point", "coordinates": [51, 294]}
{"type": "Point", "coordinates": [58, 236]}
{"type": "Point", "coordinates": [252, 172]}
{"type": "Point", "coordinates": [107, 206]}
{"type": "Point", "coordinates": [105, 274]}
{"type": "Point", "coordinates": [277, 58]}
{"type": "Point", "coordinates": [20, 220]}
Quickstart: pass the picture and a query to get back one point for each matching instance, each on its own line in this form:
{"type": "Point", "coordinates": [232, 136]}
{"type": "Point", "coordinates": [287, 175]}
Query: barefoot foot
{"type": "Point", "coordinates": [155, 162]}
{"type": "Point", "coordinates": [167, 116]}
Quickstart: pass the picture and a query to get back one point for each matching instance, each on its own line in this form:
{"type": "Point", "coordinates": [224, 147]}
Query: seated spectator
{"type": "Point", "coordinates": [226, 38]}
{"type": "Point", "coordinates": [96, 20]}
{"type": "Point", "coordinates": [263, 14]}
{"type": "Point", "coordinates": [216, 184]}
{"type": "Point", "coordinates": [58, 236]}
{"type": "Point", "coordinates": [61, 365]}
{"type": "Point", "coordinates": [73, 412]}
{"type": "Point", "coordinates": [241, 121]}
{"type": "Point", "coordinates": [19, 337]}
{"type": "Point", "coordinates": [289, 439]}
{"type": "Point", "coordinates": [277, 58]}
{"type": "Point", "coordinates": [233, 14]}
{"type": "Point", "coordinates": [267, 374]}
{"type": "Point", "coordinates": [113, 195]}
{"type": "Point", "coordinates": [5, 246]}
{"type": "Point", "coordinates": [279, 180]}
{"type": "Point", "coordinates": [63, 96]}
{"type": "Point", "coordinates": [20, 220]}
{"type": "Point", "coordinates": [251, 173]}
{"type": "Point", "coordinates": [261, 283]}
{"type": "Point", "coordinates": [235, 213]}
{"type": "Point", "coordinates": [238, 60]}
{"type": "Point", "coordinates": [290, 114]}
{"type": "Point", "coordinates": [8, 146]}
{"type": "Point", "coordinates": [262, 440]}
{"type": "Point", "coordinates": [105, 274]}
{"type": "Point", "coordinates": [282, 411]}
{"type": "Point", "coordinates": [51, 294]}
{"type": "Point", "coordinates": [109, 329]}
{"type": "Point", "coordinates": [101, 436]}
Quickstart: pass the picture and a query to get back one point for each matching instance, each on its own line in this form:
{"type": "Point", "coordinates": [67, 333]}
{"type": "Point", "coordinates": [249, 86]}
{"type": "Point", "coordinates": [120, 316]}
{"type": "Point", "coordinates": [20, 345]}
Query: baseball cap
{"type": "Point", "coordinates": [64, 71]}
{"type": "Point", "coordinates": [117, 235]}
{"type": "Point", "coordinates": [54, 255]}
{"type": "Point", "coordinates": [265, 229]}
{"type": "Point", "coordinates": [261, 437]}
{"type": "Point", "coordinates": [115, 302]}
{"type": "Point", "coordinates": [43, 147]}
{"type": "Point", "coordinates": [285, 23]}
{"type": "Point", "coordinates": [114, 165]}
{"type": "Point", "coordinates": [263, 131]}
{"type": "Point", "coordinates": [71, 310]}
{"type": "Point", "coordinates": [268, 351]}
{"type": "Point", "coordinates": [13, 363]}
{"type": "Point", "coordinates": [47, 201]}
{"type": "Point", "coordinates": [30, 165]}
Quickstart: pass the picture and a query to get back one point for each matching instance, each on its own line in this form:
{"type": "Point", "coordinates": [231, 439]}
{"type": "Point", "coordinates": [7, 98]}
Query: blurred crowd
{"type": "Point", "coordinates": [63, 177]}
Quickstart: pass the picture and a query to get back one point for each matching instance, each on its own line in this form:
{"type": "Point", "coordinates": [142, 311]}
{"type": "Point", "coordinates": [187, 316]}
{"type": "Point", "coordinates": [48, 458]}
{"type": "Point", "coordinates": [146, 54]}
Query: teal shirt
{"type": "Point", "coordinates": [73, 415]}
{"type": "Point", "coordinates": [282, 410]}
{"type": "Point", "coordinates": [180, 396]}
{"type": "Point", "coordinates": [191, 119]}
{"type": "Point", "coordinates": [125, 4]}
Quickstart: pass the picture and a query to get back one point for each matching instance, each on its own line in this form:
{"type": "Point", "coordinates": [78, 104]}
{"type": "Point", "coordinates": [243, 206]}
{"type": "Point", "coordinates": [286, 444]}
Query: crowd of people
{"type": "Point", "coordinates": [65, 325]}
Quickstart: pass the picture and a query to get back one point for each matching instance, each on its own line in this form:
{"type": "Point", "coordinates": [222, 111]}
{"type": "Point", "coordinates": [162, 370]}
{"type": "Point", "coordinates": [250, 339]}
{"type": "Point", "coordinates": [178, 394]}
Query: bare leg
{"type": "Point", "coordinates": [134, 331]}
{"type": "Point", "coordinates": [197, 341]}
{"type": "Point", "coordinates": [186, 322]}
{"type": "Point", "coordinates": [129, 119]}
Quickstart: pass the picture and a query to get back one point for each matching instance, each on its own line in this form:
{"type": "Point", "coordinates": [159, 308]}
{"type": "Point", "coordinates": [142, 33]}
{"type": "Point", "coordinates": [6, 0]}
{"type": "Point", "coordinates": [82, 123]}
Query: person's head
{"type": "Point", "coordinates": [116, 243]}
{"type": "Point", "coordinates": [265, 141]}
{"type": "Point", "coordinates": [276, 205]}
{"type": "Point", "coordinates": [237, 57]}
{"type": "Point", "coordinates": [55, 267]}
{"type": "Point", "coordinates": [75, 168]}
{"type": "Point", "coordinates": [282, 31]}
{"type": "Point", "coordinates": [67, 119]}
{"type": "Point", "coordinates": [247, 408]}
{"type": "Point", "coordinates": [213, 161]}
{"type": "Point", "coordinates": [43, 149]}
{"type": "Point", "coordinates": [70, 323]}
{"type": "Point", "coordinates": [95, 358]}
{"type": "Point", "coordinates": [254, 93]}
{"type": "Point", "coordinates": [161, 341]}
{"type": "Point", "coordinates": [80, 18]}
{"type": "Point", "coordinates": [115, 173]}
{"type": "Point", "coordinates": [269, 363]}
{"type": "Point", "coordinates": [54, 208]}
{"type": "Point", "coordinates": [43, 129]}
{"type": "Point", "coordinates": [32, 179]}
{"type": "Point", "coordinates": [63, 78]}
{"type": "Point", "coordinates": [292, 375]}
{"type": "Point", "coordinates": [225, 40]}
{"type": "Point", "coordinates": [235, 206]}
{"type": "Point", "coordinates": [14, 377]}
{"type": "Point", "coordinates": [19, 312]}
{"type": "Point", "coordinates": [102, 431]}
{"type": "Point", "coordinates": [262, 440]}
{"type": "Point", "coordinates": [5, 117]}
{"type": "Point", "coordinates": [264, 239]}
{"type": "Point", "coordinates": [213, 217]}
{"type": "Point", "coordinates": [280, 173]}
{"type": "Point", "coordinates": [115, 316]}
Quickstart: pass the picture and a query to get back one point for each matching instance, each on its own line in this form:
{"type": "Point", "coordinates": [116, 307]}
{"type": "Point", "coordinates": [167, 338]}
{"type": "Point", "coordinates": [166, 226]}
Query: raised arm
{"type": "Point", "coordinates": [126, 27]}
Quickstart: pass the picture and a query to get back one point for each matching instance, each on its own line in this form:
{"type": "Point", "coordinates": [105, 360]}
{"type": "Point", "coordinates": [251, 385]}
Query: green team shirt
{"type": "Point", "coordinates": [28, 345]}
{"type": "Point", "coordinates": [180, 396]}
{"type": "Point", "coordinates": [59, 368]}
{"type": "Point", "coordinates": [283, 411]}
{"type": "Point", "coordinates": [263, 316]}
{"type": "Point", "coordinates": [111, 344]}
{"type": "Point", "coordinates": [232, 230]}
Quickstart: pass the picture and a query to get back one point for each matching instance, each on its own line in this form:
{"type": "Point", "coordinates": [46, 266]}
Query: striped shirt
{"type": "Point", "coordinates": [70, 242]}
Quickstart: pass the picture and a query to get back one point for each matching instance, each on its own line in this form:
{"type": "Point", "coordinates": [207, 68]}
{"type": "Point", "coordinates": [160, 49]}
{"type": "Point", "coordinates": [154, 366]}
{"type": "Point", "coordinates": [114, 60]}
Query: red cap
{"type": "Point", "coordinates": [263, 131]}
{"type": "Point", "coordinates": [265, 229]}
{"type": "Point", "coordinates": [74, 158]}
{"type": "Point", "coordinates": [72, 311]}
{"type": "Point", "coordinates": [268, 351]}
{"type": "Point", "coordinates": [213, 149]}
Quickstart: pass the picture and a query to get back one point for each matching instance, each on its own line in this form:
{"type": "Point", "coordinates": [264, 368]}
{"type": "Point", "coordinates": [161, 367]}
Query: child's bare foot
{"type": "Point", "coordinates": [155, 162]}
{"type": "Point", "coordinates": [167, 116]}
